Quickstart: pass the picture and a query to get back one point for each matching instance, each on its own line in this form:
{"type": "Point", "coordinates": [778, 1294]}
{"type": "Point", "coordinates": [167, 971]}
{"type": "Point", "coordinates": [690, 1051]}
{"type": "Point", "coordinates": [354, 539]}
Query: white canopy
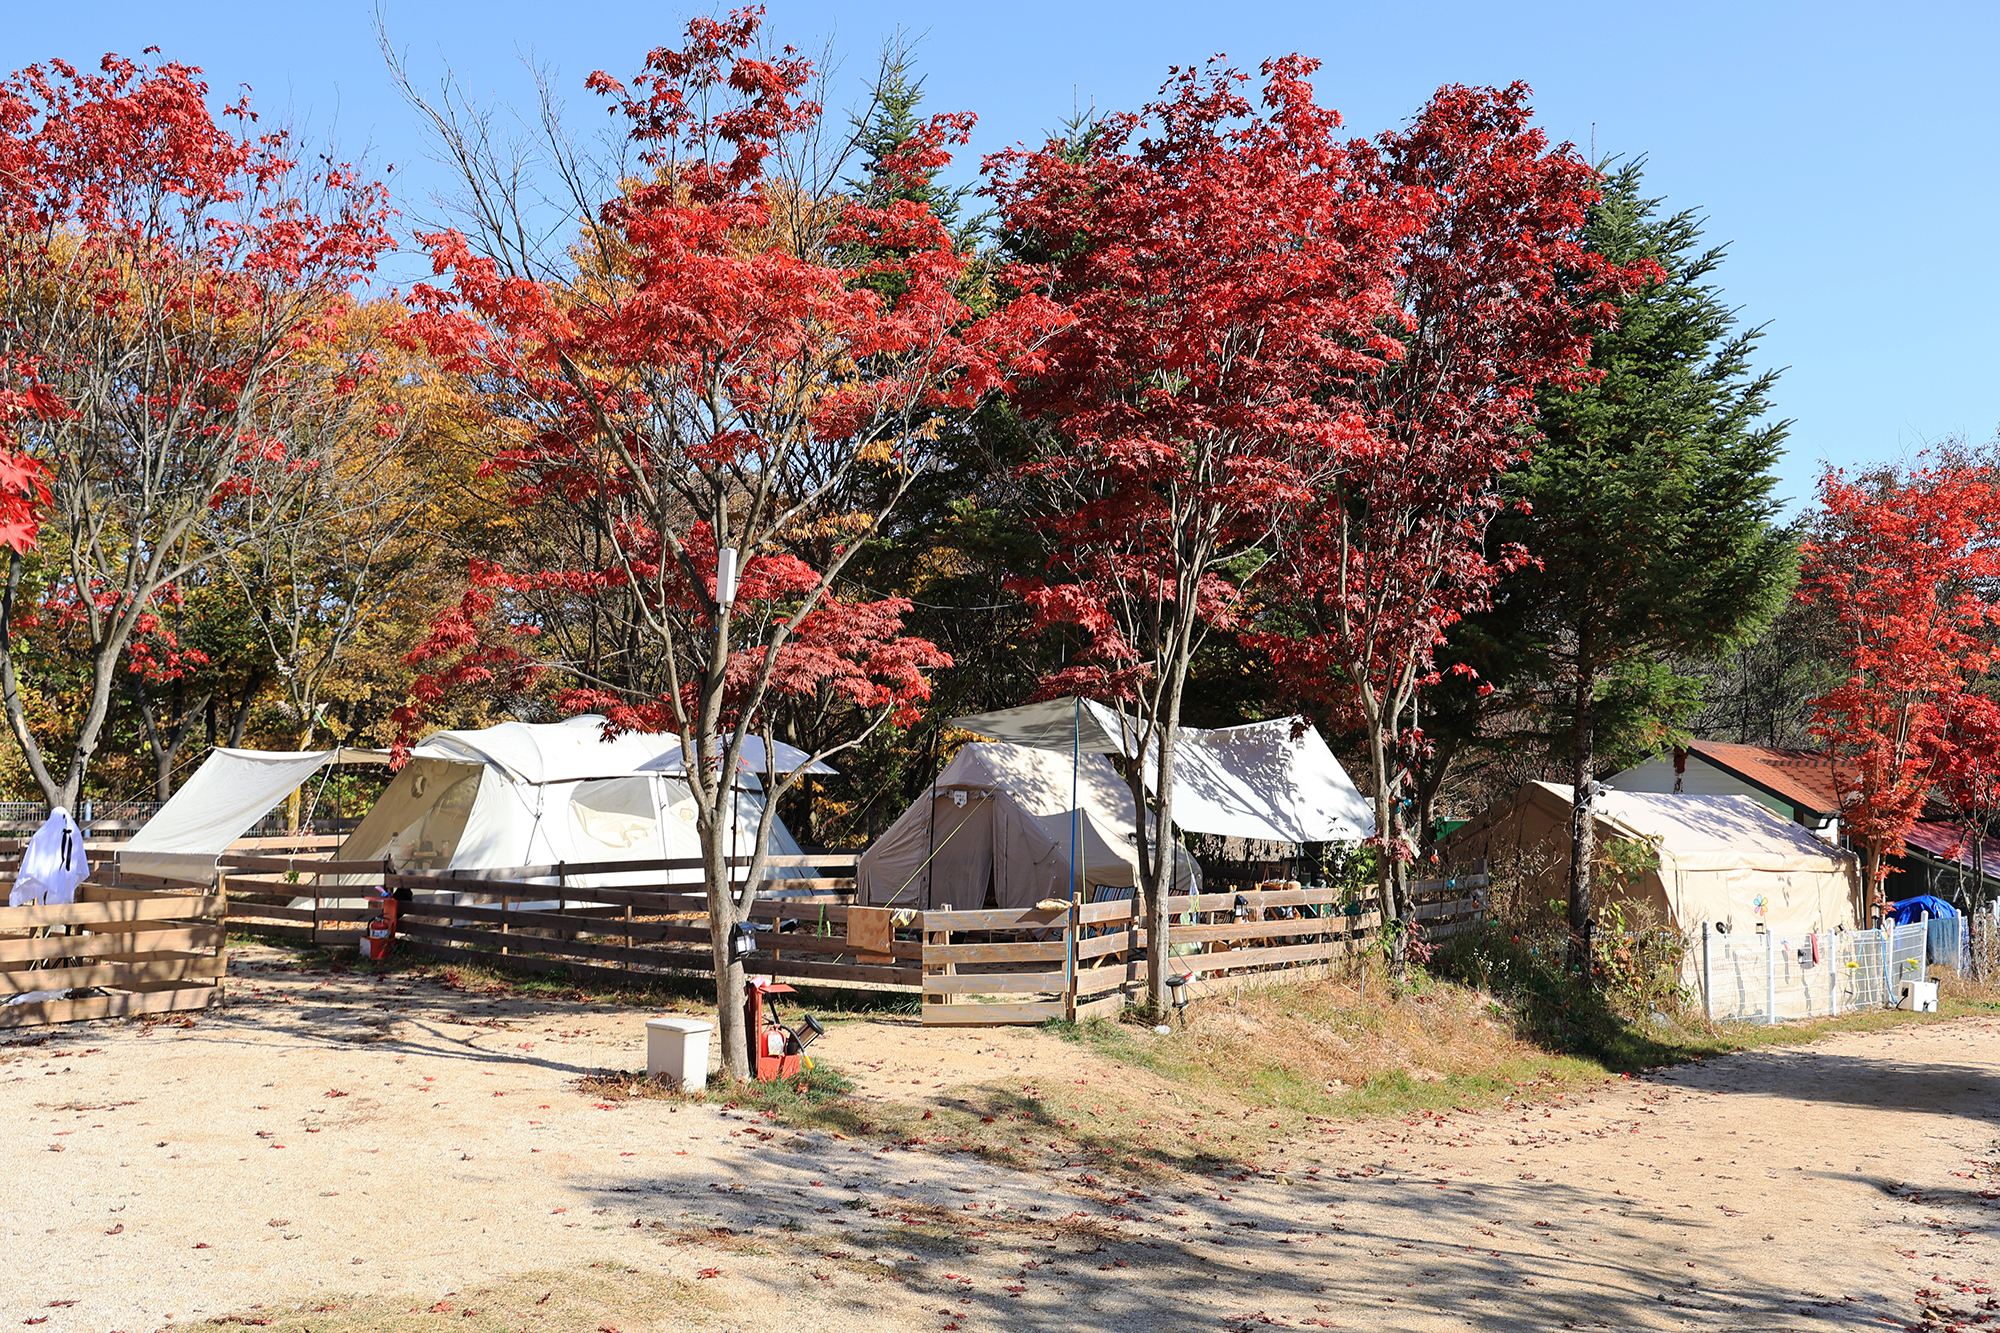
{"type": "Point", "coordinates": [1276, 781]}
{"type": "Point", "coordinates": [229, 793]}
{"type": "Point", "coordinates": [791, 759]}
{"type": "Point", "coordinates": [1057, 724]}
{"type": "Point", "coordinates": [1266, 780]}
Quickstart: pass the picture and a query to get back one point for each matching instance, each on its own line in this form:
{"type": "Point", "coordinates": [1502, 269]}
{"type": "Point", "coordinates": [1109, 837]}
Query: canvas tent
{"type": "Point", "coordinates": [1723, 859]}
{"type": "Point", "coordinates": [996, 826]}
{"type": "Point", "coordinates": [1275, 781]}
{"type": "Point", "coordinates": [515, 794]}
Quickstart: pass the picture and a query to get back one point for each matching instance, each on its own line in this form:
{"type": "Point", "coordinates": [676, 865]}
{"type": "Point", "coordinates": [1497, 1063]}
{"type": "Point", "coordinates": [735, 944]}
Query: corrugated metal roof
{"type": "Point", "coordinates": [1949, 843]}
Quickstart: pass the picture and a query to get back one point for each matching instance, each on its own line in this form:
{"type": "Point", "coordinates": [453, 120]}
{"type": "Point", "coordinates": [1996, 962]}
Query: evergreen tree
{"type": "Point", "coordinates": [1647, 506]}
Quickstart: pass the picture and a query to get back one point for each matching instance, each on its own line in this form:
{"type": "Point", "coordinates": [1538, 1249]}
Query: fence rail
{"type": "Point", "coordinates": [134, 950]}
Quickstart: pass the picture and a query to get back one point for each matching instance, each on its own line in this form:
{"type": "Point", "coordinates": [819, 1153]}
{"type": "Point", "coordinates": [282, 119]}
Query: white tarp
{"type": "Point", "coordinates": [1262, 781]}
{"type": "Point", "coordinates": [1255, 781]}
{"type": "Point", "coordinates": [1057, 724]}
{"type": "Point", "coordinates": [790, 759]}
{"type": "Point", "coordinates": [230, 792]}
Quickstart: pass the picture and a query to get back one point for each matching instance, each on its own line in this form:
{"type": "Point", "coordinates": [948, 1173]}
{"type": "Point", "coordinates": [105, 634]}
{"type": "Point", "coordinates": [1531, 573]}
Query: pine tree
{"type": "Point", "coordinates": [1647, 505]}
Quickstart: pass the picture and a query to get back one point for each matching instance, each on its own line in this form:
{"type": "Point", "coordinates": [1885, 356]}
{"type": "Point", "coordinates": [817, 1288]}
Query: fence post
{"type": "Point", "coordinates": [1071, 929]}
{"type": "Point", "coordinates": [1888, 961]}
{"type": "Point", "coordinates": [1707, 973]}
{"type": "Point", "coordinates": [1770, 975]}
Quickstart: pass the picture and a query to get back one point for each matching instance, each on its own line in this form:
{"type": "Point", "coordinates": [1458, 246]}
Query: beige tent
{"type": "Point", "coordinates": [1723, 859]}
{"type": "Point", "coordinates": [995, 827]}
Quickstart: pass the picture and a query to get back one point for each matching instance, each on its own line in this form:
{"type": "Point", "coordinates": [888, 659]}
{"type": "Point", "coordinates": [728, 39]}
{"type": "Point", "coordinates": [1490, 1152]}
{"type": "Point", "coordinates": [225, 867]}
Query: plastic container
{"type": "Point", "coordinates": [677, 1051]}
{"type": "Point", "coordinates": [1918, 997]}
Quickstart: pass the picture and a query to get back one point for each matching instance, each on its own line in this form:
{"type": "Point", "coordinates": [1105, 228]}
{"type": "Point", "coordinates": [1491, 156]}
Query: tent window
{"type": "Point", "coordinates": [615, 812]}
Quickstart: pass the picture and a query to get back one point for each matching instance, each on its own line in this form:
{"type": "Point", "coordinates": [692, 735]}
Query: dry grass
{"type": "Point", "coordinates": [1249, 1070]}
{"type": "Point", "coordinates": [606, 1294]}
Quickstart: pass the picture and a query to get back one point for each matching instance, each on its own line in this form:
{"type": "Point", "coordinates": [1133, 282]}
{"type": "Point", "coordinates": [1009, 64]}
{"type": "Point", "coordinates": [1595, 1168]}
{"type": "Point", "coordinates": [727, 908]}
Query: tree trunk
{"type": "Point", "coordinates": [1388, 884]}
{"type": "Point", "coordinates": [1583, 827]}
{"type": "Point", "coordinates": [1872, 885]}
{"type": "Point", "coordinates": [723, 914]}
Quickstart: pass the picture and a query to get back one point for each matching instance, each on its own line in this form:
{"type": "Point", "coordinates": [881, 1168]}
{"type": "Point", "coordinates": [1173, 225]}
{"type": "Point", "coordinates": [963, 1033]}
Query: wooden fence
{"type": "Point", "coordinates": [133, 950]}
{"type": "Point", "coordinates": [971, 967]}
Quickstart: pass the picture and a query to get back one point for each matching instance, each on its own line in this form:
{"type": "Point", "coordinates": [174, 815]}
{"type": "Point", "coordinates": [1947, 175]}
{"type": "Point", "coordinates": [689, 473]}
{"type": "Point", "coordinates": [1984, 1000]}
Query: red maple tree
{"type": "Point", "coordinates": [1223, 266]}
{"type": "Point", "coordinates": [169, 351]}
{"type": "Point", "coordinates": [720, 372]}
{"type": "Point", "coordinates": [1495, 297]}
{"type": "Point", "coordinates": [1904, 567]}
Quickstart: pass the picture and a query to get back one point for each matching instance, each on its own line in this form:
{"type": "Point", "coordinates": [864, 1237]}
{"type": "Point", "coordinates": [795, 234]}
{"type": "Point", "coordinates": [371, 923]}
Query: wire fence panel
{"type": "Point", "coordinates": [1862, 963]}
{"type": "Point", "coordinates": [1766, 978]}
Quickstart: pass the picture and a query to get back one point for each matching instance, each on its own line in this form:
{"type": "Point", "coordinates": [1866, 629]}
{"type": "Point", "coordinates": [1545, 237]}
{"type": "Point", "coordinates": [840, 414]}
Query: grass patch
{"type": "Point", "coordinates": [1233, 1090]}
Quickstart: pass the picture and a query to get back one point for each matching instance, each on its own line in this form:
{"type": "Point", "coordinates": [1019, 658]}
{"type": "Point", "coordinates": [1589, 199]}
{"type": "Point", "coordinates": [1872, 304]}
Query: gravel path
{"type": "Point", "coordinates": [334, 1139]}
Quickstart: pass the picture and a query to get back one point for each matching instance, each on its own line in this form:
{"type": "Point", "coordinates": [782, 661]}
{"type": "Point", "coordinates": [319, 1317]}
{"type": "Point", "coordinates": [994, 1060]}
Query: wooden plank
{"type": "Point", "coordinates": [996, 983]}
{"type": "Point", "coordinates": [1250, 930]}
{"type": "Point", "coordinates": [521, 963]}
{"type": "Point", "coordinates": [494, 940]}
{"type": "Point", "coordinates": [1108, 1007]}
{"type": "Point", "coordinates": [801, 942]}
{"type": "Point", "coordinates": [871, 930]}
{"type": "Point", "coordinates": [1091, 914]}
{"type": "Point", "coordinates": [1453, 907]}
{"type": "Point", "coordinates": [109, 974]}
{"type": "Point", "coordinates": [989, 1015]}
{"type": "Point", "coordinates": [165, 906]}
{"type": "Point", "coordinates": [299, 865]}
{"type": "Point", "coordinates": [109, 1006]}
{"type": "Point", "coordinates": [127, 879]}
{"type": "Point", "coordinates": [272, 929]}
{"type": "Point", "coordinates": [93, 945]}
{"type": "Point", "coordinates": [1212, 962]}
{"type": "Point", "coordinates": [575, 918]}
{"type": "Point", "coordinates": [1118, 942]}
{"type": "Point", "coordinates": [911, 977]}
{"type": "Point", "coordinates": [1222, 902]}
{"type": "Point", "coordinates": [240, 910]}
{"type": "Point", "coordinates": [1045, 951]}
{"type": "Point", "coordinates": [1005, 918]}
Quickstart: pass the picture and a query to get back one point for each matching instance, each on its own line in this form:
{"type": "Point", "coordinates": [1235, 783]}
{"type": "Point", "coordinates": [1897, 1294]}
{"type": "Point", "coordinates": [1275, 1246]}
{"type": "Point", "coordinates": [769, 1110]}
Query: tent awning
{"type": "Point", "coordinates": [1262, 781]}
{"type": "Point", "coordinates": [1057, 724]}
{"type": "Point", "coordinates": [1257, 781]}
{"type": "Point", "coordinates": [230, 792]}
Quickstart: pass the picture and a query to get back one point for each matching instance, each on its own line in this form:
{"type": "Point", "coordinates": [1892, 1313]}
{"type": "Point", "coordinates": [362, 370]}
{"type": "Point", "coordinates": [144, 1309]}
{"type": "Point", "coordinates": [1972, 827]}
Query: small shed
{"type": "Point", "coordinates": [1725, 860]}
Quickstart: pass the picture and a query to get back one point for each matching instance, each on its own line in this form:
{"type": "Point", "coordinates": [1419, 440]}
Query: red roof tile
{"type": "Point", "coordinates": [1801, 777]}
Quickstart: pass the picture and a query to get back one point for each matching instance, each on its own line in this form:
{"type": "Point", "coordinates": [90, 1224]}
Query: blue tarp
{"type": "Point", "coordinates": [1924, 904]}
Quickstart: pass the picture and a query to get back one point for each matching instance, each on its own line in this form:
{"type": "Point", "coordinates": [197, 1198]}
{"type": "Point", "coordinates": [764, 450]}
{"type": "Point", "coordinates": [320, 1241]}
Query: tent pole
{"type": "Point", "coordinates": [1075, 833]}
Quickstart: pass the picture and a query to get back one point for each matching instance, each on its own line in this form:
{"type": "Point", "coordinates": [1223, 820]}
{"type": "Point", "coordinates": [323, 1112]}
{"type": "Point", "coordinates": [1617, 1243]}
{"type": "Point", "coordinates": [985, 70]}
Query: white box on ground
{"type": "Point", "coordinates": [677, 1051]}
{"type": "Point", "coordinates": [1918, 996]}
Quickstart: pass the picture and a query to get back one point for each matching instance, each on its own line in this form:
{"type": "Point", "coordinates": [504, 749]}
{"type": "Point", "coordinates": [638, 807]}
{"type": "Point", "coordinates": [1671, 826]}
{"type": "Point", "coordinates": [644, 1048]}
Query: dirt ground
{"type": "Point", "coordinates": [340, 1152]}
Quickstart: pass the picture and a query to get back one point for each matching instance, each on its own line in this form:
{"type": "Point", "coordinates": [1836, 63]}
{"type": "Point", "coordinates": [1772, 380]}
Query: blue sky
{"type": "Point", "coordinates": [1846, 153]}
